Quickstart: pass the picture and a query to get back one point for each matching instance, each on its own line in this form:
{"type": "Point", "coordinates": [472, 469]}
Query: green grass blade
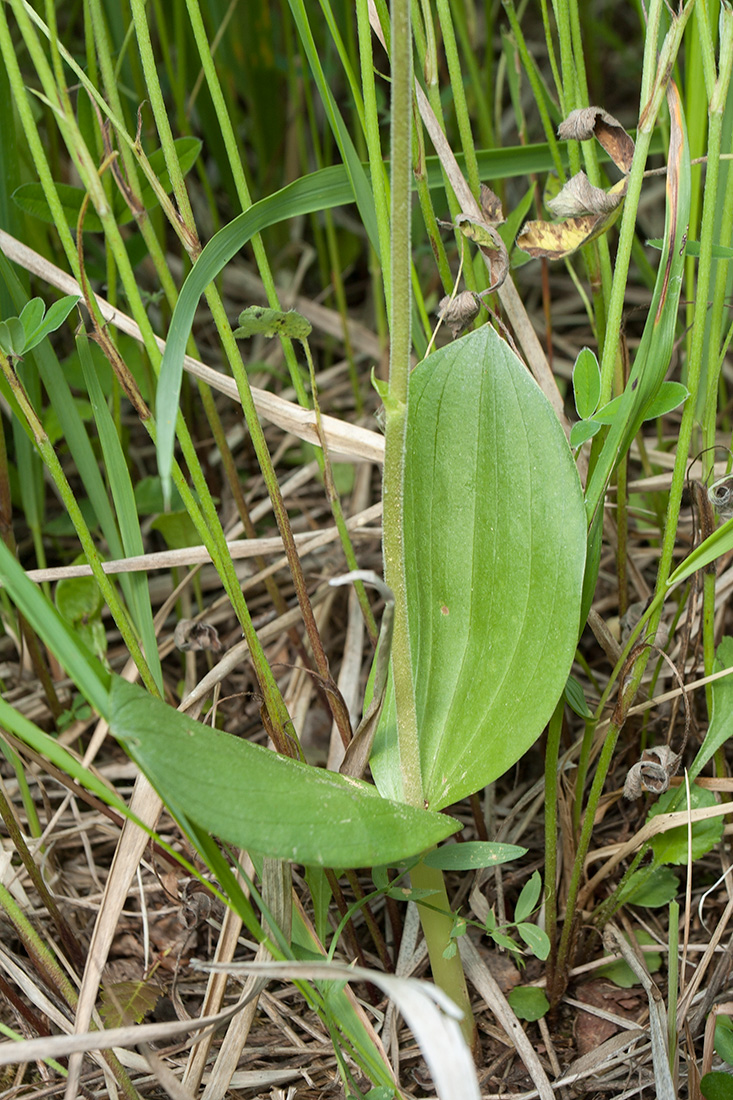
{"type": "Point", "coordinates": [84, 669]}
{"type": "Point", "coordinates": [318, 191]}
{"type": "Point", "coordinates": [124, 498]}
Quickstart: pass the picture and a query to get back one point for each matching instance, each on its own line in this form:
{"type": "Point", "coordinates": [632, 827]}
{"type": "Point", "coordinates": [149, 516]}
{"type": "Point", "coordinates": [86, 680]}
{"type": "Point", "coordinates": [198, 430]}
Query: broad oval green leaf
{"type": "Point", "coordinates": [670, 396]}
{"type": "Point", "coordinates": [528, 1002]}
{"type": "Point", "coordinates": [586, 383]}
{"type": "Point", "coordinates": [473, 854]}
{"type": "Point", "coordinates": [495, 539]}
{"type": "Point", "coordinates": [584, 430]}
{"type": "Point", "coordinates": [267, 803]}
{"type": "Point", "coordinates": [717, 1086]}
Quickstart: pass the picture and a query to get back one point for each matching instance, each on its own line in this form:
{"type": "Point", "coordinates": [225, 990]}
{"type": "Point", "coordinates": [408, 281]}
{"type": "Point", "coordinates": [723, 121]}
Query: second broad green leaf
{"type": "Point", "coordinates": [261, 801]}
{"type": "Point", "coordinates": [495, 540]}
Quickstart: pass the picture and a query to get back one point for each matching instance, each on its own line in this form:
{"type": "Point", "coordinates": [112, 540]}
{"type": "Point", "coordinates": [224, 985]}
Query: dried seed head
{"type": "Point", "coordinates": [720, 495]}
{"type": "Point", "coordinates": [652, 773]}
{"type": "Point", "coordinates": [192, 635]}
{"type": "Point", "coordinates": [459, 312]}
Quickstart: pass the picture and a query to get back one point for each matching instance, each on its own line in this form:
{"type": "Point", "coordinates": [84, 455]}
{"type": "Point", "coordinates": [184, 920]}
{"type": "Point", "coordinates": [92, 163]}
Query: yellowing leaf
{"type": "Point", "coordinates": [556, 240]}
{"type": "Point", "coordinates": [490, 243]}
{"type": "Point", "coordinates": [125, 1003]}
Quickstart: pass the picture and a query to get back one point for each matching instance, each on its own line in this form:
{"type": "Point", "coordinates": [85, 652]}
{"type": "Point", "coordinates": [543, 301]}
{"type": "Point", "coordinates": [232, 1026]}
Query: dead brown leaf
{"type": "Point", "coordinates": [459, 312]}
{"type": "Point", "coordinates": [579, 197]}
{"type": "Point", "coordinates": [594, 122]}
{"type": "Point", "coordinates": [491, 207]}
{"type": "Point", "coordinates": [489, 242]}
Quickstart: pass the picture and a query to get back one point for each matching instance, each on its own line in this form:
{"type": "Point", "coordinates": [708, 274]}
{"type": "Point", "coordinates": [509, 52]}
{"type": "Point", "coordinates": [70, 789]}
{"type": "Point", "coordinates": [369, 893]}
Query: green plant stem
{"type": "Point", "coordinates": [552, 755]}
{"type": "Point", "coordinates": [459, 94]}
{"type": "Point", "coordinates": [653, 88]}
{"type": "Point", "coordinates": [673, 983]}
{"type": "Point", "coordinates": [374, 147]}
{"type": "Point", "coordinates": [437, 924]}
{"type": "Point", "coordinates": [324, 464]}
{"type": "Point", "coordinates": [395, 402]}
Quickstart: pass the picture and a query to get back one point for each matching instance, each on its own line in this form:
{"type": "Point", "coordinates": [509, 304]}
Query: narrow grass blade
{"type": "Point", "coordinates": [124, 498]}
{"type": "Point", "coordinates": [84, 669]}
{"type": "Point", "coordinates": [319, 191]}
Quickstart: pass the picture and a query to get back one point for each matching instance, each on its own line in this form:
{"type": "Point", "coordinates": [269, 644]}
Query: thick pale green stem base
{"type": "Point", "coordinates": [437, 924]}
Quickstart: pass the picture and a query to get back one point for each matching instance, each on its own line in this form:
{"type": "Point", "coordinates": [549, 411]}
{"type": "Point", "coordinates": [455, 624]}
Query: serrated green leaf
{"type": "Point", "coordinates": [528, 897]}
{"type": "Point", "coordinates": [586, 383]}
{"type": "Point", "coordinates": [473, 854]}
{"type": "Point", "coordinates": [671, 847]}
{"type": "Point", "coordinates": [671, 395]}
{"type": "Point", "coordinates": [536, 940]}
{"type": "Point", "coordinates": [128, 1002]}
{"type": "Point", "coordinates": [258, 320]}
{"type": "Point", "coordinates": [259, 800]}
{"type": "Point", "coordinates": [575, 698]}
{"type": "Point", "coordinates": [584, 430]}
{"type": "Point", "coordinates": [528, 1002]}
{"type": "Point", "coordinates": [494, 526]}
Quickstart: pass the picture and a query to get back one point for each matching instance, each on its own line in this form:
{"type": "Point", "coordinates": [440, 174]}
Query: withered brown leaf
{"type": "Point", "coordinates": [588, 122]}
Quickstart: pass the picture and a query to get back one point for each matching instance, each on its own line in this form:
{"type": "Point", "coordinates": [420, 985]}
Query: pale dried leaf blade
{"type": "Point", "coordinates": [458, 313]}
{"type": "Point", "coordinates": [594, 122]}
{"type": "Point", "coordinates": [579, 197]}
{"type": "Point", "coordinates": [429, 1013]}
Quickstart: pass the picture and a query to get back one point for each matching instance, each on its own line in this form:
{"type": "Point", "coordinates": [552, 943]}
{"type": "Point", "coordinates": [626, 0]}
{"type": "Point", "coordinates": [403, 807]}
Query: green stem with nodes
{"type": "Point", "coordinates": [447, 972]}
{"type": "Point", "coordinates": [395, 402]}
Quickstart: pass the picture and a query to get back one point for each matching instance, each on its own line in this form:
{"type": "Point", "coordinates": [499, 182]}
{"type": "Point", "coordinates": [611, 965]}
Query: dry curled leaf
{"type": "Point", "coordinates": [720, 495]}
{"type": "Point", "coordinates": [579, 196]}
{"type": "Point", "coordinates": [192, 635]}
{"type": "Point", "coordinates": [488, 240]}
{"type": "Point", "coordinates": [556, 240]}
{"type": "Point", "coordinates": [653, 772]}
{"type": "Point", "coordinates": [491, 207]}
{"type": "Point", "coordinates": [594, 122]}
{"type": "Point", "coordinates": [458, 313]}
